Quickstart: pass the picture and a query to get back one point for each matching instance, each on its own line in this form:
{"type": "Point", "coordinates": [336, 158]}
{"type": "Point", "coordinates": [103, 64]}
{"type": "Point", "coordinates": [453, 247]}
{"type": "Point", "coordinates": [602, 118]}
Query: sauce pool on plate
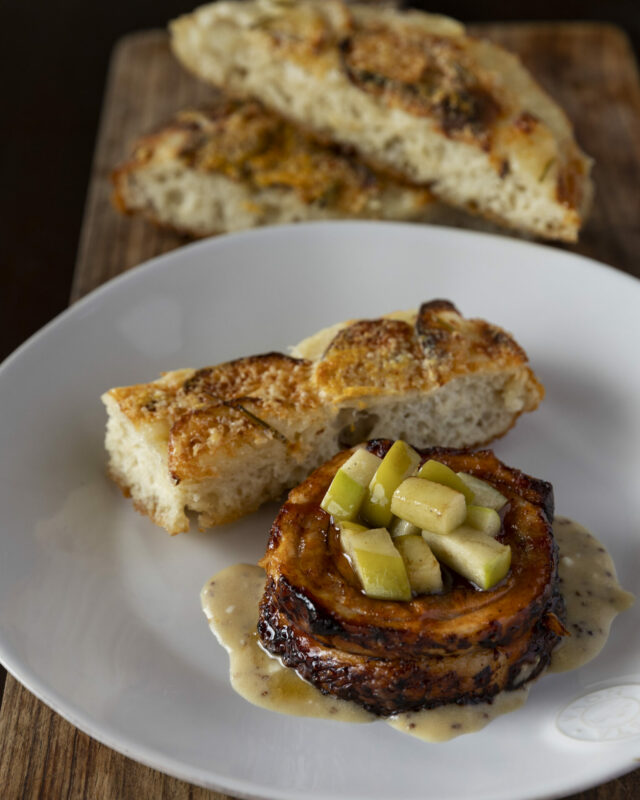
{"type": "Point", "coordinates": [588, 584]}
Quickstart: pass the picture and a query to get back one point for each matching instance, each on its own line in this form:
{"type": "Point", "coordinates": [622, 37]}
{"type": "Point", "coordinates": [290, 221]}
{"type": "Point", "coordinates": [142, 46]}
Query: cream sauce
{"type": "Point", "coordinates": [588, 583]}
{"type": "Point", "coordinates": [447, 722]}
{"type": "Point", "coordinates": [591, 592]}
{"type": "Point", "coordinates": [230, 601]}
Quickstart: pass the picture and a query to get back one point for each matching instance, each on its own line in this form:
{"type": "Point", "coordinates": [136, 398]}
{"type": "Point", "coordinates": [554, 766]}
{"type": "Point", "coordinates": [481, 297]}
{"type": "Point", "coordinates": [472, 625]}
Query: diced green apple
{"type": "Point", "coordinates": [347, 524]}
{"type": "Point", "coordinates": [485, 494]}
{"type": "Point", "coordinates": [377, 563]}
{"type": "Point", "coordinates": [484, 519]}
{"type": "Point", "coordinates": [348, 488]}
{"type": "Point", "coordinates": [343, 497]}
{"type": "Point", "coordinates": [423, 569]}
{"type": "Point", "coordinates": [431, 506]}
{"type": "Point", "coordinates": [440, 473]}
{"type": "Point", "coordinates": [474, 555]}
{"type": "Point", "coordinates": [400, 461]}
{"type": "Point", "coordinates": [361, 466]}
{"type": "Point", "coordinates": [400, 527]}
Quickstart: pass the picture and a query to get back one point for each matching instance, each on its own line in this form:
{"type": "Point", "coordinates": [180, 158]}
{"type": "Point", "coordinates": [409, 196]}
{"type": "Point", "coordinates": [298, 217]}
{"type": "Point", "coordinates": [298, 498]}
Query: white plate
{"type": "Point", "coordinates": [99, 612]}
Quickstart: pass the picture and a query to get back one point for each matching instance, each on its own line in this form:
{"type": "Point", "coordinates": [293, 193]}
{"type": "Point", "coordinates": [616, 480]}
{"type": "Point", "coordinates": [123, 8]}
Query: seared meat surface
{"type": "Point", "coordinates": [463, 645]}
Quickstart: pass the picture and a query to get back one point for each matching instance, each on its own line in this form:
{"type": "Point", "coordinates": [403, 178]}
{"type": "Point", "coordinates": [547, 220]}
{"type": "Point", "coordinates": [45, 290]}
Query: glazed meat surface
{"type": "Point", "coordinates": [463, 645]}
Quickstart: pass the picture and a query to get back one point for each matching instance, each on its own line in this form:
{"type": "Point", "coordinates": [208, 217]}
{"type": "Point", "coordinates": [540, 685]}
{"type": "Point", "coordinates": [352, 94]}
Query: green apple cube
{"type": "Point", "coordinates": [400, 461]}
{"type": "Point", "coordinates": [349, 525]}
{"type": "Point", "coordinates": [431, 506]}
{"type": "Point", "coordinates": [400, 527]}
{"type": "Point", "coordinates": [343, 497]}
{"type": "Point", "coordinates": [348, 488]}
{"type": "Point", "coordinates": [476, 556]}
{"type": "Point", "coordinates": [484, 519]}
{"type": "Point", "coordinates": [377, 563]}
{"type": "Point", "coordinates": [423, 569]}
{"type": "Point", "coordinates": [441, 473]}
{"type": "Point", "coordinates": [485, 494]}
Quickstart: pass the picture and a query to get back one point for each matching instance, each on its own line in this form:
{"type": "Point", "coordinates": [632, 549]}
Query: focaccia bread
{"type": "Point", "coordinates": [411, 93]}
{"type": "Point", "coordinates": [235, 165]}
{"type": "Point", "coordinates": [221, 441]}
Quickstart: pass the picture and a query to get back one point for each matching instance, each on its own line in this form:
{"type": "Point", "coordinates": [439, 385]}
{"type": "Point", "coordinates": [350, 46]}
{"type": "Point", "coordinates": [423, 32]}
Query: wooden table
{"type": "Point", "coordinates": [589, 68]}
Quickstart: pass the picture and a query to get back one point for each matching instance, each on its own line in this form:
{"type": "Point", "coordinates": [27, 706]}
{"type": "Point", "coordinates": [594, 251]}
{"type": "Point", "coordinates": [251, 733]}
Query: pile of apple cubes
{"type": "Point", "coordinates": [398, 522]}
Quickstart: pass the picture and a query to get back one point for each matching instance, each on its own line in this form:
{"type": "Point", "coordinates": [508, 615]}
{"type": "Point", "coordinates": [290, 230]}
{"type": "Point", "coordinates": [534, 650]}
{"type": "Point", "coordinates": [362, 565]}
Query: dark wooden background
{"type": "Point", "coordinates": [53, 62]}
{"type": "Point", "coordinates": [54, 58]}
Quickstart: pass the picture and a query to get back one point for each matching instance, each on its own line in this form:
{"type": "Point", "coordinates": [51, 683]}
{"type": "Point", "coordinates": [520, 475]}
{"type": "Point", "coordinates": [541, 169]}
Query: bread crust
{"type": "Point", "coordinates": [411, 92]}
{"type": "Point", "coordinates": [202, 428]}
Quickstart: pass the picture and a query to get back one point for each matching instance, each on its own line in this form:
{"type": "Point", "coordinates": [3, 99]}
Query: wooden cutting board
{"type": "Point", "coordinates": [588, 68]}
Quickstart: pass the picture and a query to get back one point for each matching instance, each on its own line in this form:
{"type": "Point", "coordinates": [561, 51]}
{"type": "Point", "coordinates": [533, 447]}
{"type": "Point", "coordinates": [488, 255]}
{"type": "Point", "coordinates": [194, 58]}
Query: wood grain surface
{"type": "Point", "coordinates": [588, 68]}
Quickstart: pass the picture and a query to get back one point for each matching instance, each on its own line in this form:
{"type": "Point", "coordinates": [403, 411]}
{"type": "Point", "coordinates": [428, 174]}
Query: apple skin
{"type": "Point", "coordinates": [343, 497]}
{"type": "Point", "coordinates": [349, 525]}
{"type": "Point", "coordinates": [377, 563]}
{"type": "Point", "coordinates": [476, 556]}
{"type": "Point", "coordinates": [423, 569]}
{"type": "Point", "coordinates": [431, 506]}
{"type": "Point", "coordinates": [361, 466]}
{"type": "Point", "coordinates": [400, 527]}
{"type": "Point", "coordinates": [348, 488]}
{"type": "Point", "coordinates": [484, 519]}
{"type": "Point", "coordinates": [401, 460]}
{"type": "Point", "coordinates": [441, 473]}
{"type": "Point", "coordinates": [485, 494]}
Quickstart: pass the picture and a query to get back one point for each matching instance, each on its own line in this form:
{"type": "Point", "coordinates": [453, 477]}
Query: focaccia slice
{"type": "Point", "coordinates": [410, 92]}
{"type": "Point", "coordinates": [236, 165]}
{"type": "Point", "coordinates": [221, 441]}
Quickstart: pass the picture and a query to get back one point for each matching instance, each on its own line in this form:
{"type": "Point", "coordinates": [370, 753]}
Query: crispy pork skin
{"type": "Point", "coordinates": [462, 645]}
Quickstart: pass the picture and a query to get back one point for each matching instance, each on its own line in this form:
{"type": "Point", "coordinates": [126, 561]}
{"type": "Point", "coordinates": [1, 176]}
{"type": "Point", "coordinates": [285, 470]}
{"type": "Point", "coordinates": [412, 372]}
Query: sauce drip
{"type": "Point", "coordinates": [230, 601]}
{"type": "Point", "coordinates": [591, 592]}
{"type": "Point", "coordinates": [588, 583]}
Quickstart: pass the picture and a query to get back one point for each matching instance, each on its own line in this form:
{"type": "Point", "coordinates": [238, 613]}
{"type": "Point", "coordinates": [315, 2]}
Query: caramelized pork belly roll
{"type": "Point", "coordinates": [459, 646]}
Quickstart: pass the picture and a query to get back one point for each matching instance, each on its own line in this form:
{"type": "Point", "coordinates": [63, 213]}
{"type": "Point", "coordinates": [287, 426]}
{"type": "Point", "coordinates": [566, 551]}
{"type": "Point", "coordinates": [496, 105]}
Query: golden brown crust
{"type": "Point", "coordinates": [439, 346]}
{"type": "Point", "coordinates": [362, 352]}
{"type": "Point", "coordinates": [268, 376]}
{"type": "Point", "coordinates": [425, 75]}
{"type": "Point", "coordinates": [457, 345]}
{"type": "Point", "coordinates": [217, 409]}
{"type": "Point", "coordinates": [213, 413]}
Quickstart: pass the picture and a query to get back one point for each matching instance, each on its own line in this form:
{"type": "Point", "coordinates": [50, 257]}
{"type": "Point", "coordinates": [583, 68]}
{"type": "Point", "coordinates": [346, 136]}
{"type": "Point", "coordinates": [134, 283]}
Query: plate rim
{"type": "Point", "coordinates": [134, 272]}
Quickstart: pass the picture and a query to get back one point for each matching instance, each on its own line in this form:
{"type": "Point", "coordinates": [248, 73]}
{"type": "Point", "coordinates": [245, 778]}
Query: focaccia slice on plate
{"type": "Point", "coordinates": [410, 92]}
{"type": "Point", "coordinates": [222, 440]}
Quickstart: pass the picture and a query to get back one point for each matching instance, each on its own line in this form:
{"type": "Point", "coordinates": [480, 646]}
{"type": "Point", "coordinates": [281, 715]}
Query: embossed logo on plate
{"type": "Point", "coordinates": [606, 715]}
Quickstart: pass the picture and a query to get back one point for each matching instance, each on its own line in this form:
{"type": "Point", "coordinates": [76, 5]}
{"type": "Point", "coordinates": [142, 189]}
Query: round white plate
{"type": "Point", "coordinates": [99, 610]}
